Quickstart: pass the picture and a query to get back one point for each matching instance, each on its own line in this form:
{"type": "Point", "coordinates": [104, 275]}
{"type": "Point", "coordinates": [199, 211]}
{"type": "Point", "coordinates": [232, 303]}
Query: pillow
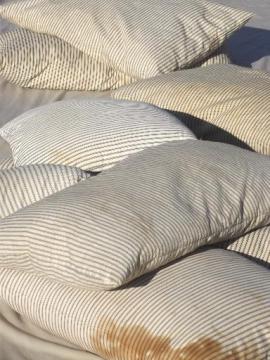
{"type": "Point", "coordinates": [255, 245]}
{"type": "Point", "coordinates": [150, 209]}
{"type": "Point", "coordinates": [22, 186]}
{"type": "Point", "coordinates": [34, 60]}
{"type": "Point", "coordinates": [6, 159]}
{"type": "Point", "coordinates": [210, 305]}
{"type": "Point", "coordinates": [92, 134]}
{"type": "Point", "coordinates": [6, 162]}
{"type": "Point", "coordinates": [222, 102]}
{"type": "Point", "coordinates": [42, 61]}
{"type": "Point", "coordinates": [136, 39]}
{"type": "Point", "coordinates": [218, 57]}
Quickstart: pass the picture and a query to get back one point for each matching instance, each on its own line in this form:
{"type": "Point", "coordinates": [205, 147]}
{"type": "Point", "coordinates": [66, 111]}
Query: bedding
{"type": "Point", "coordinates": [148, 210]}
{"type": "Point", "coordinates": [25, 185]}
{"type": "Point", "coordinates": [223, 312]}
{"type": "Point", "coordinates": [89, 134]}
{"type": "Point", "coordinates": [224, 103]}
{"type": "Point", "coordinates": [6, 159]}
{"type": "Point", "coordinates": [220, 56]}
{"type": "Point", "coordinates": [35, 60]}
{"type": "Point", "coordinates": [229, 293]}
{"type": "Point", "coordinates": [194, 29]}
{"type": "Point", "coordinates": [255, 245]}
{"type": "Point", "coordinates": [15, 100]}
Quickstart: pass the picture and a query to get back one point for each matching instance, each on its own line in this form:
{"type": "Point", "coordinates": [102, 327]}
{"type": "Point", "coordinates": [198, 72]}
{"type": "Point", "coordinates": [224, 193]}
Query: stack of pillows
{"type": "Point", "coordinates": [148, 51]}
{"type": "Point", "coordinates": [111, 210]}
{"type": "Point", "coordinates": [97, 45]}
{"type": "Point", "coordinates": [121, 263]}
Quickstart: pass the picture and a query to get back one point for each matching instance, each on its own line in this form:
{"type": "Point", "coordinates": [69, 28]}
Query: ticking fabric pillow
{"type": "Point", "coordinates": [6, 159]}
{"type": "Point", "coordinates": [138, 39]}
{"type": "Point", "coordinates": [255, 245]}
{"type": "Point", "coordinates": [150, 209]}
{"type": "Point", "coordinates": [6, 162]}
{"type": "Point", "coordinates": [35, 60]}
{"type": "Point", "coordinates": [92, 134]}
{"type": "Point", "coordinates": [218, 57]}
{"type": "Point", "coordinates": [42, 61]}
{"type": "Point", "coordinates": [221, 102]}
{"type": "Point", "coordinates": [25, 185]}
{"type": "Point", "coordinates": [210, 305]}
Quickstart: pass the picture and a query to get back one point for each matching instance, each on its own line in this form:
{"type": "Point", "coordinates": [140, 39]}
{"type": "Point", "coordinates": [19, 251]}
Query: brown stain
{"type": "Point", "coordinates": [137, 343]}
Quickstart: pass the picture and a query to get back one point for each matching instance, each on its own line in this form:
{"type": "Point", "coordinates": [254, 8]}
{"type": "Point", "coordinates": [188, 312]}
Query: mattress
{"type": "Point", "coordinates": [19, 338]}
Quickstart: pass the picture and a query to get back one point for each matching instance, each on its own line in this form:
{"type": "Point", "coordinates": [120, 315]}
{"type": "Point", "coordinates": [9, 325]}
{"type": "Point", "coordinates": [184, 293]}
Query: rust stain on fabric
{"type": "Point", "coordinates": [114, 342]}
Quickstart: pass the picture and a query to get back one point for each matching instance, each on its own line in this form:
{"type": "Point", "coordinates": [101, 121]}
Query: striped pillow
{"type": "Point", "coordinates": [35, 60]}
{"type": "Point", "coordinates": [224, 103]}
{"type": "Point", "coordinates": [212, 305]}
{"type": "Point", "coordinates": [6, 162]}
{"type": "Point", "coordinates": [255, 245]}
{"type": "Point", "coordinates": [22, 186]}
{"type": "Point", "coordinates": [156, 206]}
{"type": "Point", "coordinates": [92, 134]}
{"type": "Point", "coordinates": [6, 159]}
{"type": "Point", "coordinates": [138, 39]}
{"type": "Point", "coordinates": [42, 61]}
{"type": "Point", "coordinates": [218, 57]}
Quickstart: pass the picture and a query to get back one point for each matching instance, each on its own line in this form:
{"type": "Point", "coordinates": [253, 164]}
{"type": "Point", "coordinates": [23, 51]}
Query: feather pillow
{"type": "Point", "coordinates": [154, 207]}
{"type": "Point", "coordinates": [92, 134]}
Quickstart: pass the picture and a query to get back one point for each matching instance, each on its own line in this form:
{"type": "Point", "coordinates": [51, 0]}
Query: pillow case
{"type": "Point", "coordinates": [92, 134]}
{"type": "Point", "coordinates": [221, 102]}
{"type": "Point", "coordinates": [22, 186]}
{"type": "Point", "coordinates": [6, 159]}
{"type": "Point", "coordinates": [6, 162]}
{"type": "Point", "coordinates": [139, 39]}
{"type": "Point", "coordinates": [35, 60]}
{"type": "Point", "coordinates": [42, 61]}
{"type": "Point", "coordinates": [218, 57]}
{"type": "Point", "coordinates": [255, 245]}
{"type": "Point", "coordinates": [161, 315]}
{"type": "Point", "coordinates": [150, 209]}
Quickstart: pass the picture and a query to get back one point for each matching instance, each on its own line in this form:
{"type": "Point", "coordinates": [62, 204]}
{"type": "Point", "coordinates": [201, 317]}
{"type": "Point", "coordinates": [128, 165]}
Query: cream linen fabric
{"type": "Point", "coordinates": [223, 102]}
{"type": "Point", "coordinates": [212, 305]}
{"type": "Point", "coordinates": [25, 185]}
{"type": "Point", "coordinates": [92, 134]}
{"type": "Point", "coordinates": [136, 39]}
{"type": "Point", "coordinates": [35, 60]}
{"type": "Point", "coordinates": [150, 209]}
